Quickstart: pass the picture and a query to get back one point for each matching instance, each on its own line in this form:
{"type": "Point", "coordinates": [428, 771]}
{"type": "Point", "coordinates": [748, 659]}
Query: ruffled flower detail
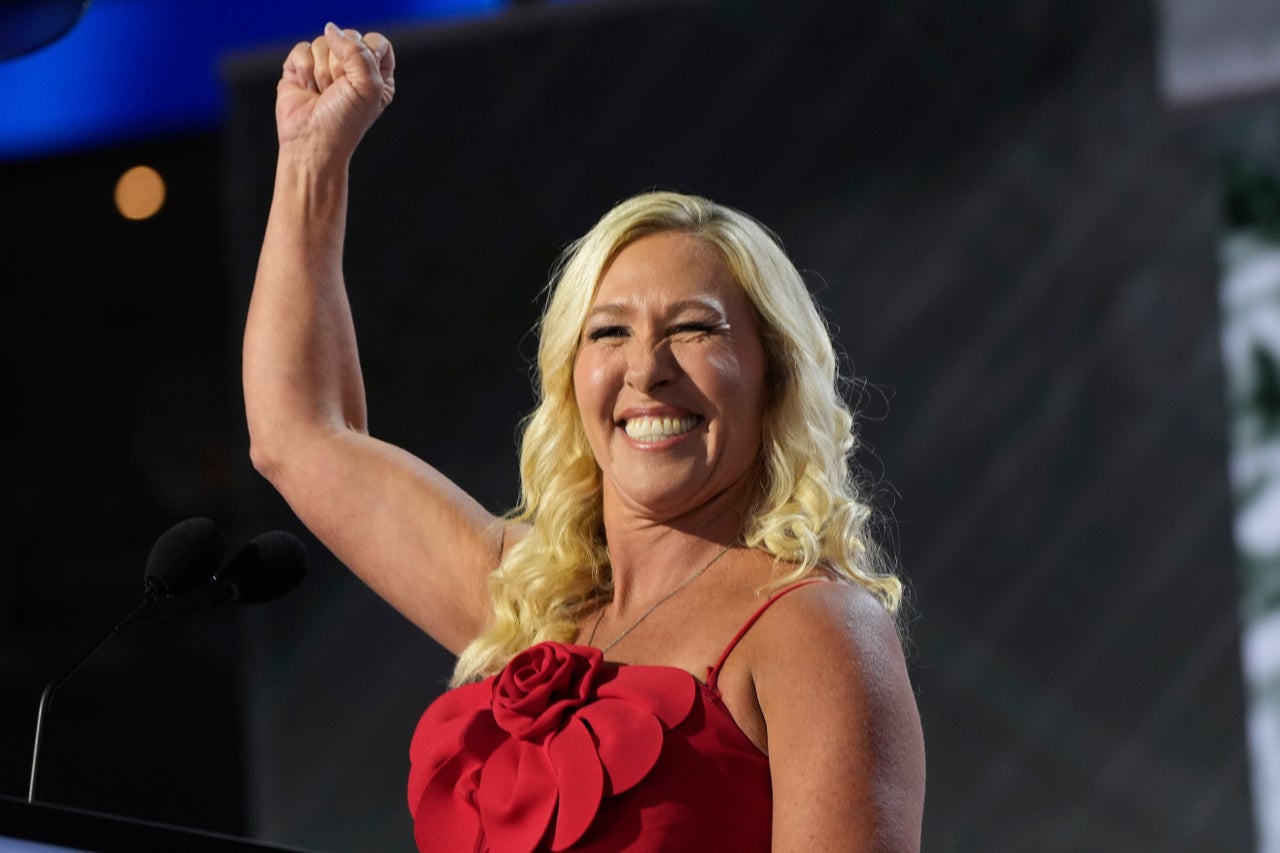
{"type": "Point", "coordinates": [523, 760]}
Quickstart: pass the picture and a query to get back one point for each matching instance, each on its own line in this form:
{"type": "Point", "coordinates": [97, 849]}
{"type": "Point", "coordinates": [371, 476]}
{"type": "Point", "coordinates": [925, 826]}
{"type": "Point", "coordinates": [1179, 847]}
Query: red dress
{"type": "Point", "coordinates": [564, 751]}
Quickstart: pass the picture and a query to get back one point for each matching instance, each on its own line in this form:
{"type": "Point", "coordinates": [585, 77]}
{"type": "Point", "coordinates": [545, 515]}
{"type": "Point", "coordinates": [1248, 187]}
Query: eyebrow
{"type": "Point", "coordinates": [622, 309]}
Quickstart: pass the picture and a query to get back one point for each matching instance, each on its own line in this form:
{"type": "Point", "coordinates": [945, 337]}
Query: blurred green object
{"type": "Point", "coordinates": [1253, 199]}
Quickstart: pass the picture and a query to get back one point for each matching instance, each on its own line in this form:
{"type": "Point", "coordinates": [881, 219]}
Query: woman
{"type": "Point", "coordinates": [682, 638]}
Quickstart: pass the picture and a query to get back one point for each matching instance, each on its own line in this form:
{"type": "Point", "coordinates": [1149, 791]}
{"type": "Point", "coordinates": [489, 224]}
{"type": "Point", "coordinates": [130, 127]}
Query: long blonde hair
{"type": "Point", "coordinates": [809, 511]}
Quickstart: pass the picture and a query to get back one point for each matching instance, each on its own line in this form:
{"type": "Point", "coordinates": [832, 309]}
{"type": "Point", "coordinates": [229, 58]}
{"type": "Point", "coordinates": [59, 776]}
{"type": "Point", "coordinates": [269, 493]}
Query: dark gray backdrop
{"type": "Point", "coordinates": [1015, 239]}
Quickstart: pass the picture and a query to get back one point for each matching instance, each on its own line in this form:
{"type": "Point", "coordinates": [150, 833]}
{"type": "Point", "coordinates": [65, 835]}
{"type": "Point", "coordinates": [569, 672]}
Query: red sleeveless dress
{"type": "Point", "coordinates": [564, 751]}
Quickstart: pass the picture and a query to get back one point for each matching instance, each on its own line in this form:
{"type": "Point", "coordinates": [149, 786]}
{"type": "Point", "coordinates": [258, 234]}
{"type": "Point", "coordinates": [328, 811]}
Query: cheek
{"type": "Point", "coordinates": [737, 379]}
{"type": "Point", "coordinates": [580, 382]}
{"type": "Point", "coordinates": [590, 384]}
{"type": "Point", "coordinates": [742, 388]}
{"type": "Point", "coordinates": [756, 376]}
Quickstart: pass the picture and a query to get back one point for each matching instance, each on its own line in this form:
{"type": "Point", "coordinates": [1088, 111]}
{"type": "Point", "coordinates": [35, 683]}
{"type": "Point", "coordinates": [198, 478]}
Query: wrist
{"type": "Point", "coordinates": [307, 160]}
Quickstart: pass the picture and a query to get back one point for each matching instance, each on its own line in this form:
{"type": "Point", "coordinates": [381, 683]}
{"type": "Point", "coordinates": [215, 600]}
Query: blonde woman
{"type": "Point", "coordinates": [682, 638]}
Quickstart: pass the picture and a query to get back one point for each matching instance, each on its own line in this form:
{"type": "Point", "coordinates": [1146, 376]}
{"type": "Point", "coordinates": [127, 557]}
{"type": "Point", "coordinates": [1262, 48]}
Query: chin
{"type": "Point", "coordinates": [659, 499]}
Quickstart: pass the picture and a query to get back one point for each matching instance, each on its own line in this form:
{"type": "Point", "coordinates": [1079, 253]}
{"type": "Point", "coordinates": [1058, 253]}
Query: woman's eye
{"type": "Point", "coordinates": [693, 329]}
{"type": "Point", "coordinates": [604, 332]}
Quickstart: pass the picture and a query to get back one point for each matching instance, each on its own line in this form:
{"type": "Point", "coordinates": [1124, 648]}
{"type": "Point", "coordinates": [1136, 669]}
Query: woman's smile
{"type": "Point", "coordinates": [650, 428]}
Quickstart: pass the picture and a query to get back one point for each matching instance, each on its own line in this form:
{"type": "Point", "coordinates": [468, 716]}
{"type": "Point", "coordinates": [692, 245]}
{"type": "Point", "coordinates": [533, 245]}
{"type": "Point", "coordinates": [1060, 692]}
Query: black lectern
{"type": "Point", "coordinates": [47, 828]}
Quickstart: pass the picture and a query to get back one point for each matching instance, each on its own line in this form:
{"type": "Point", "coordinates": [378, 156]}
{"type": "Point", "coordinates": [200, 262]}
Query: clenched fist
{"type": "Point", "coordinates": [332, 89]}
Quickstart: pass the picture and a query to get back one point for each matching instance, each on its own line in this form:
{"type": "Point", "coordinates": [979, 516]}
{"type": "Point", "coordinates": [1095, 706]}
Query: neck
{"type": "Point", "coordinates": [651, 557]}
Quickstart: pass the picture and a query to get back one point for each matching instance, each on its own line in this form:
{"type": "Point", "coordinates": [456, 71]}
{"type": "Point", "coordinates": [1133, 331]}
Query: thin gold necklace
{"type": "Point", "coordinates": [645, 615]}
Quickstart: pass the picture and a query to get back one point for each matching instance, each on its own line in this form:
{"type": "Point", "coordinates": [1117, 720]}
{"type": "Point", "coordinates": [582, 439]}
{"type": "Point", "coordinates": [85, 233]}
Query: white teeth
{"type": "Point", "coordinates": [656, 429]}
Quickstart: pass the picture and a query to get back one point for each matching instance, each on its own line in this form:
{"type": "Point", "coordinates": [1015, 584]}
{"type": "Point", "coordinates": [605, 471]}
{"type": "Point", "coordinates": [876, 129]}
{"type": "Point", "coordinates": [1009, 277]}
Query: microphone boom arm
{"type": "Point", "coordinates": [46, 696]}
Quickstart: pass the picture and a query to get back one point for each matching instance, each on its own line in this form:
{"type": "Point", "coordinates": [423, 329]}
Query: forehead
{"type": "Point", "coordinates": [665, 268]}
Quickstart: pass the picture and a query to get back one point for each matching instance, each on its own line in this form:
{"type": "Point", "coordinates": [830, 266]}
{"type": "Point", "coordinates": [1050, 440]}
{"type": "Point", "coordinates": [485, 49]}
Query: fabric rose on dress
{"type": "Point", "coordinates": [524, 759]}
{"type": "Point", "coordinates": [541, 686]}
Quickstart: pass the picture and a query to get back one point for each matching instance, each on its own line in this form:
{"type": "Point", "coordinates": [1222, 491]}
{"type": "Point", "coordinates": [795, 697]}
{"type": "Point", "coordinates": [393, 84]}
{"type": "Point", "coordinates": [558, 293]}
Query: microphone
{"type": "Point", "coordinates": [270, 565]}
{"type": "Point", "coordinates": [262, 570]}
{"type": "Point", "coordinates": [181, 558]}
{"type": "Point", "coordinates": [184, 556]}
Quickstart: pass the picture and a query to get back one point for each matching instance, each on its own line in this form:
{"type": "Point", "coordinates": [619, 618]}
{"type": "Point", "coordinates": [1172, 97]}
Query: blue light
{"type": "Point", "coordinates": [132, 70]}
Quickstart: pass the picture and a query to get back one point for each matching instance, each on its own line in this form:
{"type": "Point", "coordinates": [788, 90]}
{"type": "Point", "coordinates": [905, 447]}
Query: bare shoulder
{"type": "Point", "coordinates": [845, 745]}
{"type": "Point", "coordinates": [834, 624]}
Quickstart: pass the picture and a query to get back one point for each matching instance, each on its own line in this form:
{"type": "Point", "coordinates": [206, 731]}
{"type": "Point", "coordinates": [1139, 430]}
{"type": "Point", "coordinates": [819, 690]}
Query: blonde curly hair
{"type": "Point", "coordinates": [809, 511]}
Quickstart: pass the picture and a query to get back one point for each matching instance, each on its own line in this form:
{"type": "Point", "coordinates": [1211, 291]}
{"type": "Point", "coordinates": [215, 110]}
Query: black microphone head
{"type": "Point", "coordinates": [270, 565]}
{"type": "Point", "coordinates": [185, 556]}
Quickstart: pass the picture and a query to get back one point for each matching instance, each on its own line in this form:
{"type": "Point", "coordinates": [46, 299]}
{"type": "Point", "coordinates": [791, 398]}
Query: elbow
{"type": "Point", "coordinates": [284, 451]}
{"type": "Point", "coordinates": [273, 442]}
{"type": "Point", "coordinates": [264, 456]}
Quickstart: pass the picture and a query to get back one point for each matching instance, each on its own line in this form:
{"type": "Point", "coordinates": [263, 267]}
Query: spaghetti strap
{"type": "Point", "coordinates": [713, 672]}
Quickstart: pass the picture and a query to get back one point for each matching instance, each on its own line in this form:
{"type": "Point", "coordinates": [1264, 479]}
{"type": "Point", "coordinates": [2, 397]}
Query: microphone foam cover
{"type": "Point", "coordinates": [186, 555]}
{"type": "Point", "coordinates": [270, 565]}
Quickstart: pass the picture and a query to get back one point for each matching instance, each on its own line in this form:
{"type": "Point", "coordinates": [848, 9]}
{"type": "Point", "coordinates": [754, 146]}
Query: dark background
{"type": "Point", "coordinates": [1015, 236]}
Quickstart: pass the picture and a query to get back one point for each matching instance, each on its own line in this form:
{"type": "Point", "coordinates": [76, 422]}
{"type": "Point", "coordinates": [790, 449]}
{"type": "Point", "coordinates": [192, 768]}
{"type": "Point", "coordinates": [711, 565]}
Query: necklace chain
{"type": "Point", "coordinates": [645, 615]}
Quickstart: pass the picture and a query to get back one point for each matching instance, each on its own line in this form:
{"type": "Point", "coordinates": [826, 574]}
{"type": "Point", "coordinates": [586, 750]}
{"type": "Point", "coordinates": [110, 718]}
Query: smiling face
{"type": "Point", "coordinates": [669, 380]}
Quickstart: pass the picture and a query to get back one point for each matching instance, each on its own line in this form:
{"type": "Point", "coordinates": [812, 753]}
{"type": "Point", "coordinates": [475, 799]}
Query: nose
{"type": "Point", "coordinates": [650, 365]}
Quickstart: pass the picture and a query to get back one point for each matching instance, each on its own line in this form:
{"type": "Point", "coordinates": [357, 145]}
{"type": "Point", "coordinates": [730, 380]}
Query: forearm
{"type": "Point", "coordinates": [301, 368]}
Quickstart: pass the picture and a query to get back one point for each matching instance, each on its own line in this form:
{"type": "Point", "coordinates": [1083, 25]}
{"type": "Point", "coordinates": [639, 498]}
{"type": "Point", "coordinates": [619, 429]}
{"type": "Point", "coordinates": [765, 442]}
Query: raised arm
{"type": "Point", "coordinates": [413, 536]}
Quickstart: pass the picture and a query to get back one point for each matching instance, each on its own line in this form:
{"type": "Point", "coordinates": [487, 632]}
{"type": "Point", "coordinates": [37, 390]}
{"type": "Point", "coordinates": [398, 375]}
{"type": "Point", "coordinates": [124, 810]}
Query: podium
{"type": "Point", "coordinates": [48, 828]}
